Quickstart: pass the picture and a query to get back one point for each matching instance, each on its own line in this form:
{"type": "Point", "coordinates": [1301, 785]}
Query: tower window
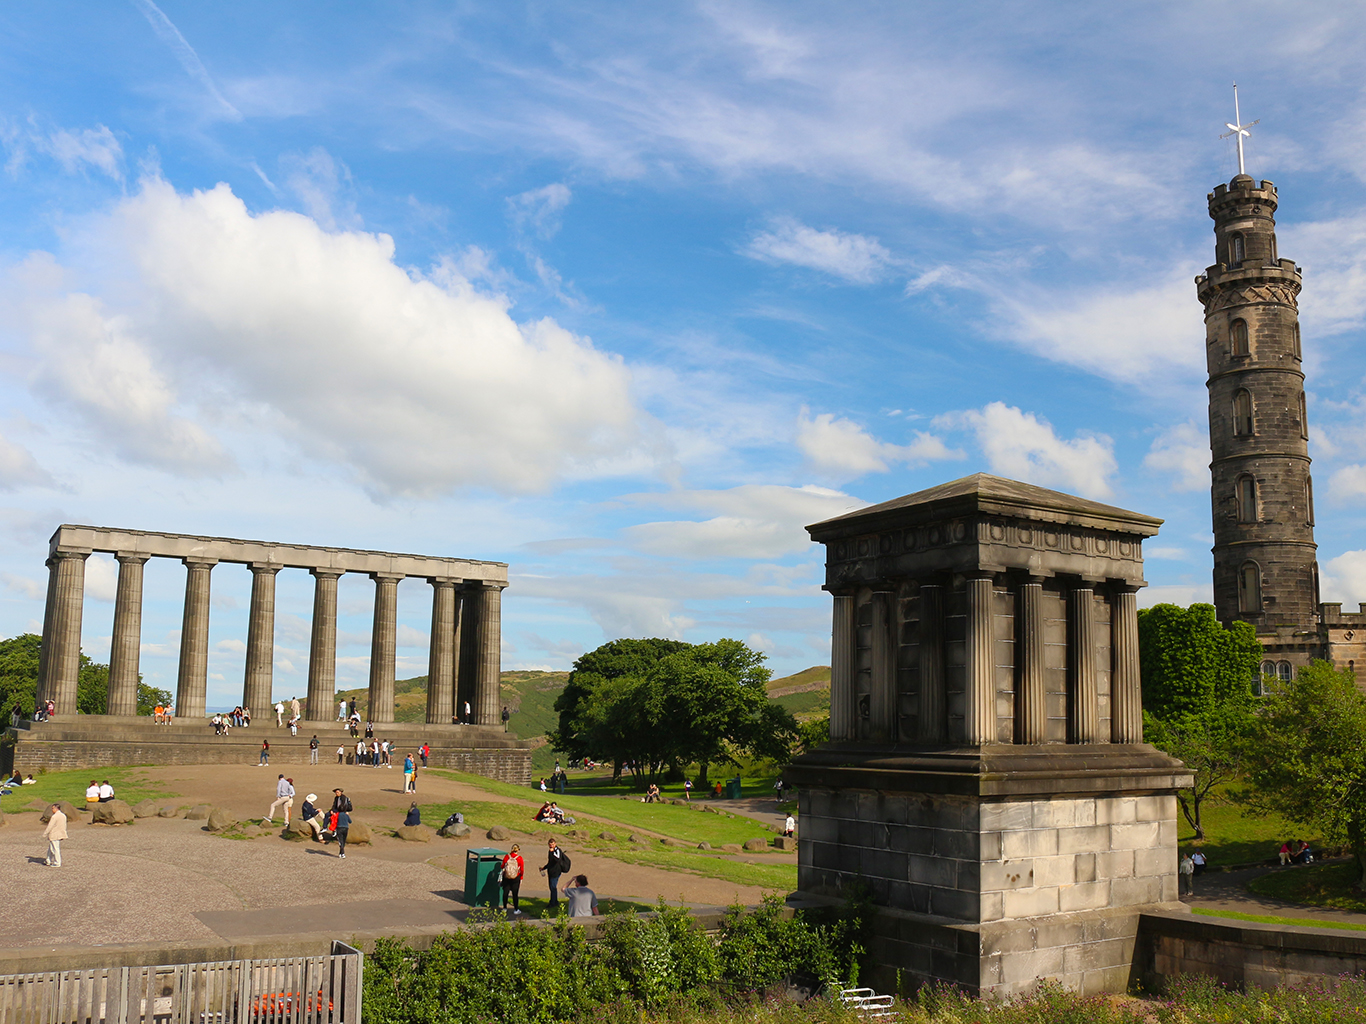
{"type": "Point", "coordinates": [1304, 418]}
{"type": "Point", "coordinates": [1274, 257]}
{"type": "Point", "coordinates": [1295, 340]}
{"type": "Point", "coordinates": [1284, 671]}
{"type": "Point", "coordinates": [1242, 412]}
{"type": "Point", "coordinates": [1309, 500]}
{"type": "Point", "coordinates": [1249, 589]}
{"type": "Point", "coordinates": [1236, 250]}
{"type": "Point", "coordinates": [1238, 335]}
{"type": "Point", "coordinates": [1247, 499]}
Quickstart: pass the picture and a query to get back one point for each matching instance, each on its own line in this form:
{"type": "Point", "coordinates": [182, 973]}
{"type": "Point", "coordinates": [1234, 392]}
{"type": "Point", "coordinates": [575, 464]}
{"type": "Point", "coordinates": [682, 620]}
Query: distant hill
{"type": "Point", "coordinates": [806, 693]}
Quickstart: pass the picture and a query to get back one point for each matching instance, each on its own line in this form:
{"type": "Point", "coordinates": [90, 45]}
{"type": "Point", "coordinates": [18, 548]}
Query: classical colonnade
{"type": "Point", "coordinates": [464, 657]}
{"type": "Point", "coordinates": [980, 718]}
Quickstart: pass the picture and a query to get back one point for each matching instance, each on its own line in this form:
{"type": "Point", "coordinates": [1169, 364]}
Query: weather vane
{"type": "Point", "coordinates": [1238, 130]}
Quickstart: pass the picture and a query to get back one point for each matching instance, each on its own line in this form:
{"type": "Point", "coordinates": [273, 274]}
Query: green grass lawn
{"type": "Point", "coordinates": [1299, 922]}
{"type": "Point", "coordinates": [130, 784]}
{"type": "Point", "coordinates": [1321, 885]}
{"type": "Point", "coordinates": [1233, 837]}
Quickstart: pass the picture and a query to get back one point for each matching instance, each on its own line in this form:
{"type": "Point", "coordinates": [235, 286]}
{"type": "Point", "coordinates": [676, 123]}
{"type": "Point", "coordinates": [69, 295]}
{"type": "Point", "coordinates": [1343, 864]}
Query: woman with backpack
{"type": "Point", "coordinates": [513, 869]}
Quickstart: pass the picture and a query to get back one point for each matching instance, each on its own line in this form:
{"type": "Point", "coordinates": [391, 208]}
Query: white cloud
{"type": "Point", "coordinates": [1344, 578]}
{"type": "Point", "coordinates": [1171, 554]}
{"type": "Point", "coordinates": [1182, 594]}
{"type": "Point", "coordinates": [842, 449]}
{"type": "Point", "coordinates": [539, 209]}
{"type": "Point", "coordinates": [855, 258]}
{"type": "Point", "coordinates": [1021, 445]}
{"type": "Point", "coordinates": [31, 589]}
{"type": "Point", "coordinates": [1333, 254]}
{"type": "Point", "coordinates": [407, 636]}
{"type": "Point", "coordinates": [18, 468]}
{"type": "Point", "coordinates": [1348, 483]}
{"type": "Point", "coordinates": [1181, 453]}
{"type": "Point", "coordinates": [95, 147]}
{"type": "Point", "coordinates": [184, 52]}
{"type": "Point", "coordinates": [101, 577]}
{"type": "Point", "coordinates": [418, 383]}
{"type": "Point", "coordinates": [320, 183]}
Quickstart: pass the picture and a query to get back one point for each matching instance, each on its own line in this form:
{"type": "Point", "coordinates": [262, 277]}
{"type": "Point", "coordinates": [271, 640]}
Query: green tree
{"type": "Point", "coordinates": [1308, 760]}
{"type": "Point", "coordinates": [1198, 702]}
{"type": "Point", "coordinates": [18, 674]}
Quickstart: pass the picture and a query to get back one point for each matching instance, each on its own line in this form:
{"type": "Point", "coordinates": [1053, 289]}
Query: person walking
{"type": "Point", "coordinates": [313, 749]}
{"type": "Point", "coordinates": [424, 750]}
{"type": "Point", "coordinates": [687, 790]}
{"type": "Point", "coordinates": [339, 829]}
{"type": "Point", "coordinates": [284, 794]}
{"type": "Point", "coordinates": [790, 826]}
{"type": "Point", "coordinates": [341, 711]}
{"type": "Point", "coordinates": [54, 834]}
{"type": "Point", "coordinates": [507, 717]}
{"type": "Point", "coordinates": [408, 774]}
{"type": "Point", "coordinates": [583, 901]}
{"type": "Point", "coordinates": [265, 753]}
{"type": "Point", "coordinates": [556, 864]}
{"type": "Point", "coordinates": [279, 713]}
{"type": "Point", "coordinates": [1187, 871]}
{"type": "Point", "coordinates": [513, 869]}
{"type": "Point", "coordinates": [469, 715]}
{"type": "Point", "coordinates": [294, 708]}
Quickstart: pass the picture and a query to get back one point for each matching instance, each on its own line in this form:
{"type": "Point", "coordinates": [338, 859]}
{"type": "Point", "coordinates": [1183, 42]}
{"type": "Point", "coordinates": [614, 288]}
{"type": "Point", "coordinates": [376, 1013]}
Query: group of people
{"type": "Point", "coordinates": [582, 901]}
{"type": "Point", "coordinates": [44, 710]}
{"type": "Point", "coordinates": [326, 826]}
{"type": "Point", "coordinates": [162, 714]}
{"type": "Point", "coordinates": [1192, 864]}
{"type": "Point", "coordinates": [1295, 851]}
{"type": "Point", "coordinates": [550, 813]}
{"type": "Point", "coordinates": [98, 793]}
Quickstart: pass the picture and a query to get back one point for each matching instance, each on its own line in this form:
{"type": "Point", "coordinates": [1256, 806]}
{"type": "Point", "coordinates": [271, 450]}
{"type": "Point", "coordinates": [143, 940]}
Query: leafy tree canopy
{"type": "Point", "coordinates": [19, 681]}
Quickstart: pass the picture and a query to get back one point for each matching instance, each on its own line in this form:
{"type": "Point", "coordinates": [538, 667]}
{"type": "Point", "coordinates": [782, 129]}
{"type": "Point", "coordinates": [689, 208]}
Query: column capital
{"type": "Point", "coordinates": [131, 557]}
{"type": "Point", "coordinates": [1127, 586]}
{"type": "Point", "coordinates": [1086, 583]}
{"type": "Point", "coordinates": [486, 585]}
{"type": "Point", "coordinates": [387, 577]}
{"type": "Point", "coordinates": [984, 572]}
{"type": "Point", "coordinates": [321, 573]}
{"type": "Point", "coordinates": [64, 553]}
{"type": "Point", "coordinates": [265, 567]}
{"type": "Point", "coordinates": [445, 581]}
{"type": "Point", "coordinates": [199, 562]}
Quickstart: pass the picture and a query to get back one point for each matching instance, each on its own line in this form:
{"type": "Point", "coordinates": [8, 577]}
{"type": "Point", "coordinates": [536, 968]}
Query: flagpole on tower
{"type": "Point", "coordinates": [1237, 129]}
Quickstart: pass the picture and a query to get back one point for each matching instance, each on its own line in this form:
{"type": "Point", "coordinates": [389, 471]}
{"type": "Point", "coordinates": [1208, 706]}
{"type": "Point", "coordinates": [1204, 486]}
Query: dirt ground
{"type": "Point", "coordinates": [167, 879]}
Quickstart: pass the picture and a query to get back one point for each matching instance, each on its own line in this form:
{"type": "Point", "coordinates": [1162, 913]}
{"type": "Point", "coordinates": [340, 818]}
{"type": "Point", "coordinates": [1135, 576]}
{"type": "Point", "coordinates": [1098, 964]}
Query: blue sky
{"type": "Point", "coordinates": [625, 295]}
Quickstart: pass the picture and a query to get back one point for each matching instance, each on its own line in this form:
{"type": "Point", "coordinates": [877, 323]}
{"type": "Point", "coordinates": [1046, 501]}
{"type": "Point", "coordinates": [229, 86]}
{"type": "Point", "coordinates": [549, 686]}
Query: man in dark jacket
{"type": "Point", "coordinates": [556, 864]}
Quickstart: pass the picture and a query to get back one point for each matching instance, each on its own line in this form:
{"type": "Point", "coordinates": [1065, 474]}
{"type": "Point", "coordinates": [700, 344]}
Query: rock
{"type": "Point", "coordinates": [145, 809]}
{"type": "Point", "coordinates": [359, 834]}
{"type": "Point", "coordinates": [412, 833]}
{"type": "Point", "coordinates": [667, 841]}
{"type": "Point", "coordinates": [169, 811]}
{"type": "Point", "coordinates": [754, 845]}
{"type": "Point", "coordinates": [785, 843]}
{"type": "Point", "coordinates": [731, 847]}
{"type": "Point", "coordinates": [633, 838]}
{"type": "Point", "coordinates": [68, 809]}
{"type": "Point", "coordinates": [499, 834]}
{"type": "Point", "coordinates": [608, 836]}
{"type": "Point", "coordinates": [112, 812]}
{"type": "Point", "coordinates": [220, 819]}
{"type": "Point", "coordinates": [199, 812]}
{"type": "Point", "coordinates": [297, 831]}
{"type": "Point", "coordinates": [457, 831]}
{"type": "Point", "coordinates": [37, 805]}
{"type": "Point", "coordinates": [676, 802]}
{"type": "Point", "coordinates": [704, 845]}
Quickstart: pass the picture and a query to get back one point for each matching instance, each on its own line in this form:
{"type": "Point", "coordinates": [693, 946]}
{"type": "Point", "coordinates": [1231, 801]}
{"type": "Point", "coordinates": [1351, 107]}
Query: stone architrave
{"type": "Point", "coordinates": [125, 647]}
{"type": "Point", "coordinates": [193, 679]}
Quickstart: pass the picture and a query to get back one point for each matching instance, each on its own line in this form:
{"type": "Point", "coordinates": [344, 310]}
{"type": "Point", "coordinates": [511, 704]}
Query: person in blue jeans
{"type": "Point", "coordinates": [265, 753]}
{"type": "Point", "coordinates": [556, 864]}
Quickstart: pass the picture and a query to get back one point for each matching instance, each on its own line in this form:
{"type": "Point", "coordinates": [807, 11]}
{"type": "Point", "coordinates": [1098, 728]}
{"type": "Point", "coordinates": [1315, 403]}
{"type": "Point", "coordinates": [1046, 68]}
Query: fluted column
{"type": "Point", "coordinates": [125, 648]}
{"type": "Point", "coordinates": [322, 647]}
{"type": "Point", "coordinates": [1081, 650]}
{"type": "Point", "coordinates": [259, 674]}
{"type": "Point", "coordinates": [45, 649]}
{"type": "Point", "coordinates": [842, 669]}
{"type": "Point", "coordinates": [192, 683]}
{"type": "Point", "coordinates": [64, 657]}
{"type": "Point", "coordinates": [462, 686]}
{"type": "Point", "coordinates": [979, 713]}
{"type": "Point", "coordinates": [1031, 710]}
{"type": "Point", "coordinates": [882, 694]}
{"type": "Point", "coordinates": [932, 724]}
{"type": "Point", "coordinates": [1126, 692]}
{"type": "Point", "coordinates": [488, 684]}
{"type": "Point", "coordinates": [441, 653]}
{"type": "Point", "coordinates": [384, 646]}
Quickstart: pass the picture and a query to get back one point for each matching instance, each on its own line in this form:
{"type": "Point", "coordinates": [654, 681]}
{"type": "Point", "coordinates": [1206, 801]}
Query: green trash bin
{"type": "Point", "coordinates": [482, 864]}
{"type": "Point", "coordinates": [733, 789]}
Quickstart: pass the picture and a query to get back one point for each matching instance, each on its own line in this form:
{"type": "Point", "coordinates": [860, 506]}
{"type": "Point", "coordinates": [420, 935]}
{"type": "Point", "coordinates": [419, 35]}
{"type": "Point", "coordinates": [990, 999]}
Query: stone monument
{"type": "Point", "coordinates": [986, 781]}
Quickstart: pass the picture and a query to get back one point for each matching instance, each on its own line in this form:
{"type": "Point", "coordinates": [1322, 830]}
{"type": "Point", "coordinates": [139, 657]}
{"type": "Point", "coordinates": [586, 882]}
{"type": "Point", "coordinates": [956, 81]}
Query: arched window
{"type": "Point", "coordinates": [1238, 335]}
{"type": "Point", "coordinates": [1309, 500]}
{"type": "Point", "coordinates": [1249, 588]}
{"type": "Point", "coordinates": [1247, 499]}
{"type": "Point", "coordinates": [1268, 675]}
{"type": "Point", "coordinates": [1285, 672]}
{"type": "Point", "coordinates": [1242, 412]}
{"type": "Point", "coordinates": [1295, 339]}
{"type": "Point", "coordinates": [1304, 418]}
{"type": "Point", "coordinates": [1236, 250]}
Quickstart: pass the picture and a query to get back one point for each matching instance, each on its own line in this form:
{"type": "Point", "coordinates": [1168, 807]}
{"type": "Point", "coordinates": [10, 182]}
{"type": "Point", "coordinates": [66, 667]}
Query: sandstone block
{"type": "Point", "coordinates": [608, 836]}
{"type": "Point", "coordinates": [198, 812]}
{"type": "Point", "coordinates": [296, 831]}
{"type": "Point", "coordinates": [359, 834]}
{"type": "Point", "coordinates": [731, 847]}
{"type": "Point", "coordinates": [112, 812]}
{"type": "Point", "coordinates": [220, 819]}
{"type": "Point", "coordinates": [413, 833]}
{"type": "Point", "coordinates": [633, 838]}
{"type": "Point", "coordinates": [755, 845]}
{"type": "Point", "coordinates": [499, 834]}
{"type": "Point", "coordinates": [785, 843]}
{"type": "Point", "coordinates": [145, 809]}
{"type": "Point", "coordinates": [169, 811]}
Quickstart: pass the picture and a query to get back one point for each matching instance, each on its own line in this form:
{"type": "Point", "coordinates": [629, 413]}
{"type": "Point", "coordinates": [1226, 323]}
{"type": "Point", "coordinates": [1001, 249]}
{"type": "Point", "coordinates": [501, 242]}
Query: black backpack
{"type": "Point", "coordinates": [455, 819]}
{"type": "Point", "coordinates": [564, 861]}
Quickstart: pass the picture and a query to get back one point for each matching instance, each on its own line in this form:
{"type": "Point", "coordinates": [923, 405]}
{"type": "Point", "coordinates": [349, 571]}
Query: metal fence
{"type": "Point", "coordinates": [284, 990]}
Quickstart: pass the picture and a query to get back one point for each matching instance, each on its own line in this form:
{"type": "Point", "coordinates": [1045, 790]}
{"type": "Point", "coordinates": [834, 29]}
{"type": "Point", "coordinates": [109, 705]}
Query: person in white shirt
{"type": "Point", "coordinates": [92, 793]}
{"type": "Point", "coordinates": [341, 711]}
{"type": "Point", "coordinates": [279, 714]}
{"type": "Point", "coordinates": [106, 792]}
{"type": "Point", "coordinates": [284, 794]}
{"type": "Point", "coordinates": [790, 826]}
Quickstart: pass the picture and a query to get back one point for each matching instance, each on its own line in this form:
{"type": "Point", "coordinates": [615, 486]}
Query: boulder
{"type": "Point", "coordinates": [412, 833]}
{"type": "Point", "coordinates": [199, 812]}
{"type": "Point", "coordinates": [69, 809]}
{"type": "Point", "coordinates": [145, 809]}
{"type": "Point", "coordinates": [608, 836]}
{"type": "Point", "coordinates": [112, 812]}
{"type": "Point", "coordinates": [37, 805]}
{"type": "Point", "coordinates": [297, 831]}
{"type": "Point", "coordinates": [359, 834]}
{"type": "Point", "coordinates": [668, 841]}
{"type": "Point", "coordinates": [169, 811]}
{"type": "Point", "coordinates": [220, 819]}
{"type": "Point", "coordinates": [785, 843]}
{"type": "Point", "coordinates": [457, 831]}
{"type": "Point", "coordinates": [499, 834]}
{"type": "Point", "coordinates": [731, 847]}
{"type": "Point", "coordinates": [704, 845]}
{"type": "Point", "coordinates": [756, 845]}
{"type": "Point", "coordinates": [633, 838]}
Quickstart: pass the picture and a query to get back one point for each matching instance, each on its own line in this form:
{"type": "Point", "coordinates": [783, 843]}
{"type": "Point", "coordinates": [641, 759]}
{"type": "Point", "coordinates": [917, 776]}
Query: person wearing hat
{"type": "Point", "coordinates": [313, 817]}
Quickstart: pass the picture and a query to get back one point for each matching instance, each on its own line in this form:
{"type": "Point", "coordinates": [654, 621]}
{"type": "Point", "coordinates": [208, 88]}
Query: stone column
{"type": "Point", "coordinates": [842, 642]}
{"type": "Point", "coordinates": [441, 653]}
{"type": "Point", "coordinates": [322, 647]}
{"type": "Point", "coordinates": [932, 725]}
{"type": "Point", "coordinates": [192, 683]}
{"type": "Point", "coordinates": [384, 646]}
{"type": "Point", "coordinates": [1081, 651]}
{"type": "Point", "coordinates": [882, 692]}
{"type": "Point", "coordinates": [462, 686]}
{"type": "Point", "coordinates": [44, 690]}
{"type": "Point", "coordinates": [1031, 710]}
{"type": "Point", "coordinates": [979, 712]}
{"type": "Point", "coordinates": [64, 655]}
{"type": "Point", "coordinates": [259, 676]}
{"type": "Point", "coordinates": [125, 649]}
{"type": "Point", "coordinates": [1126, 692]}
{"type": "Point", "coordinates": [489, 645]}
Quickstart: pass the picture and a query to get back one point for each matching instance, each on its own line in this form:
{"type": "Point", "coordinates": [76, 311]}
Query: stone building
{"type": "Point", "coordinates": [1262, 493]}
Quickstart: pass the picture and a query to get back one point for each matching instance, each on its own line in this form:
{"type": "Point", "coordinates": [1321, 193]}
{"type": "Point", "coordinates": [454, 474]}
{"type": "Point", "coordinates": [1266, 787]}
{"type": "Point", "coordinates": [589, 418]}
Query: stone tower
{"type": "Point", "coordinates": [1265, 571]}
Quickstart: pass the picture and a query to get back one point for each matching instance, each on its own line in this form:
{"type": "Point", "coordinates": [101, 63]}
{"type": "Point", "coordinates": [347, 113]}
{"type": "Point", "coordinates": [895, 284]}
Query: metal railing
{"type": "Point", "coordinates": [867, 1003]}
{"type": "Point", "coordinates": [283, 990]}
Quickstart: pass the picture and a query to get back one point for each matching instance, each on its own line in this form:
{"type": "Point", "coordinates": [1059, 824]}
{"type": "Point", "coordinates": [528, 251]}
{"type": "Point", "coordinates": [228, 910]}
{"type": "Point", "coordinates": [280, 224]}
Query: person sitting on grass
{"type": "Point", "coordinates": [414, 815]}
{"type": "Point", "coordinates": [543, 814]}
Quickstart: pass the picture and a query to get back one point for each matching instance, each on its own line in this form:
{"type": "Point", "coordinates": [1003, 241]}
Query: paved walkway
{"type": "Point", "coordinates": [1227, 890]}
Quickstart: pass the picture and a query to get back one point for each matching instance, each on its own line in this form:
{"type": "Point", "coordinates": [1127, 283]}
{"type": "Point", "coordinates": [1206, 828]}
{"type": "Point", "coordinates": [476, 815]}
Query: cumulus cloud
{"type": "Point", "coordinates": [1334, 253]}
{"type": "Point", "coordinates": [1344, 578]}
{"type": "Point", "coordinates": [18, 467]}
{"type": "Point", "coordinates": [1181, 454]}
{"type": "Point", "coordinates": [840, 448]}
{"type": "Point", "coordinates": [750, 521]}
{"type": "Point", "coordinates": [857, 259]}
{"type": "Point", "coordinates": [419, 383]}
{"type": "Point", "coordinates": [101, 577]}
{"type": "Point", "coordinates": [1348, 483]}
{"type": "Point", "coordinates": [1021, 445]}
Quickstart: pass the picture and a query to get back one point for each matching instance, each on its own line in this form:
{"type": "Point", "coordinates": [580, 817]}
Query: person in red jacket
{"type": "Point", "coordinates": [513, 870]}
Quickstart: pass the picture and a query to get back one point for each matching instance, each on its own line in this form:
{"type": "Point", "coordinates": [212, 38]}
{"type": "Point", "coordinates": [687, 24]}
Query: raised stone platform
{"type": "Point", "coordinates": [107, 741]}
